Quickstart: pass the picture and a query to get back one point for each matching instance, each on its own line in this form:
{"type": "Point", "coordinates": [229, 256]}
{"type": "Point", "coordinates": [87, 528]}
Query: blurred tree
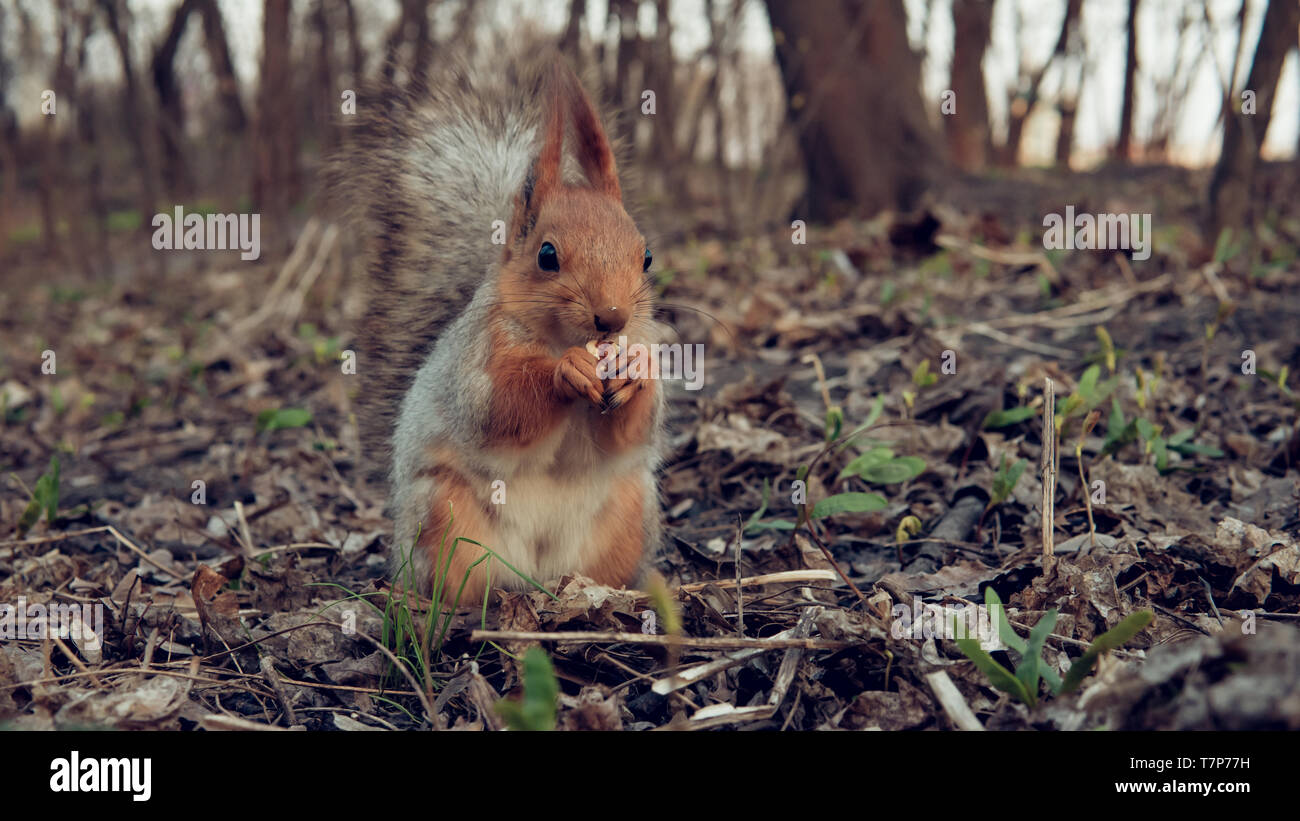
{"type": "Point", "coordinates": [138, 114]}
{"type": "Point", "coordinates": [1244, 126]}
{"type": "Point", "coordinates": [570, 42]}
{"type": "Point", "coordinates": [413, 27]}
{"type": "Point", "coordinates": [171, 119]}
{"type": "Point", "coordinates": [1124, 145]}
{"type": "Point", "coordinates": [1024, 96]}
{"type": "Point", "coordinates": [967, 128]}
{"type": "Point", "coordinates": [8, 140]}
{"type": "Point", "coordinates": [275, 177]}
{"type": "Point", "coordinates": [853, 85]}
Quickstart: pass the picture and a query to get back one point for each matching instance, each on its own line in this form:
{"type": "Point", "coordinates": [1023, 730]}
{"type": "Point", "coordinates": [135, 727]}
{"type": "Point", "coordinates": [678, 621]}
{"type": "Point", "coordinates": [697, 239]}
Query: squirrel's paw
{"type": "Point", "coordinates": [621, 392]}
{"type": "Point", "coordinates": [575, 376]}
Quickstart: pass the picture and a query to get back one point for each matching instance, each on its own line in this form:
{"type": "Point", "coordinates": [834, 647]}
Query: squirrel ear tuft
{"type": "Point", "coordinates": [544, 174]}
{"type": "Point", "coordinates": [591, 145]}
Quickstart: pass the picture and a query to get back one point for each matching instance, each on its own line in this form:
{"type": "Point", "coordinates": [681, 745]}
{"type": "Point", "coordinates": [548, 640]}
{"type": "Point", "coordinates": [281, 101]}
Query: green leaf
{"type": "Point", "coordinates": [834, 422]}
{"type": "Point", "coordinates": [269, 420]}
{"type": "Point", "coordinates": [875, 456]}
{"type": "Point", "coordinates": [1010, 416]}
{"type": "Point", "coordinates": [1145, 429]}
{"type": "Point", "coordinates": [754, 525]}
{"type": "Point", "coordinates": [849, 503]}
{"type": "Point", "coordinates": [1161, 452]}
{"type": "Point", "coordinates": [536, 711]}
{"type": "Point", "coordinates": [1181, 436]}
{"type": "Point", "coordinates": [1004, 481]}
{"type": "Point", "coordinates": [775, 524]}
{"type": "Point", "coordinates": [1112, 639]}
{"type": "Point", "coordinates": [1115, 425]}
{"type": "Point", "coordinates": [1193, 449]}
{"type": "Point", "coordinates": [894, 471]}
{"type": "Point", "coordinates": [1088, 382]}
{"type": "Point", "coordinates": [1009, 637]}
{"type": "Point", "coordinates": [45, 498]}
{"type": "Point", "coordinates": [1030, 664]}
{"type": "Point", "coordinates": [997, 675]}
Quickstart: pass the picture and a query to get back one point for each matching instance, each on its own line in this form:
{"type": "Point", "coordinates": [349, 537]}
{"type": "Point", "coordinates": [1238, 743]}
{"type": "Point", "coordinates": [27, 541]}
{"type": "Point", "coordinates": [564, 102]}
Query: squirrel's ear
{"type": "Point", "coordinates": [591, 145]}
{"type": "Point", "coordinates": [544, 174]}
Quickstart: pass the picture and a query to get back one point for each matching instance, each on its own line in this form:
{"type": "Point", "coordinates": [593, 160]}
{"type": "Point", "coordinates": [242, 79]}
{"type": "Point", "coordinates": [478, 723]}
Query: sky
{"type": "Point", "coordinates": [1196, 136]}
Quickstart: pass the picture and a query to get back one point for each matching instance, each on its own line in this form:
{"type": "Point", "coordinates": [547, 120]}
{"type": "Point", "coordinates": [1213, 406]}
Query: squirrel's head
{"type": "Point", "coordinates": [574, 265]}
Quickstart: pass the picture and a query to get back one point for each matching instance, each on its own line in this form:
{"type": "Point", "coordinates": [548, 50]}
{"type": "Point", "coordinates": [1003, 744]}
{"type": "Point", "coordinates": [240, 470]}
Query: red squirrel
{"type": "Point", "coordinates": [500, 429]}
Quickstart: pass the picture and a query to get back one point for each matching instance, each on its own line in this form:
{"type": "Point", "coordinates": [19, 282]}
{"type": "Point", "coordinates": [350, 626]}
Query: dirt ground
{"type": "Point", "coordinates": [209, 494]}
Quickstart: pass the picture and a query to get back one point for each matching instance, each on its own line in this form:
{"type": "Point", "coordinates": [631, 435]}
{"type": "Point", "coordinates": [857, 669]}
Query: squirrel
{"type": "Point", "coordinates": [506, 427]}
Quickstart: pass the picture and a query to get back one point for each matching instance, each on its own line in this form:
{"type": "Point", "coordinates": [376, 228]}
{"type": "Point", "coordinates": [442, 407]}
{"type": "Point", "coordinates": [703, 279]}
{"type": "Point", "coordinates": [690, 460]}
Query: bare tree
{"type": "Point", "coordinates": [138, 113]}
{"type": "Point", "coordinates": [1024, 97]}
{"type": "Point", "coordinates": [967, 127]}
{"type": "Point", "coordinates": [218, 48]}
{"type": "Point", "coordinates": [853, 85]}
{"type": "Point", "coordinates": [1244, 126]}
{"type": "Point", "coordinates": [1124, 145]}
{"type": "Point", "coordinates": [171, 119]}
{"type": "Point", "coordinates": [275, 179]}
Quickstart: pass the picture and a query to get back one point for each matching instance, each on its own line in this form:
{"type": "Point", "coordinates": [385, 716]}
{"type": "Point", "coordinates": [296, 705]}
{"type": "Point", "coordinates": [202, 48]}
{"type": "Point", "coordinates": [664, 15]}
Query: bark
{"type": "Point", "coordinates": [967, 128]}
{"type": "Point", "coordinates": [218, 49]}
{"type": "Point", "coordinates": [276, 178]}
{"type": "Point", "coordinates": [356, 56]}
{"type": "Point", "coordinates": [116, 14]}
{"type": "Point", "coordinates": [323, 96]}
{"type": "Point", "coordinates": [1021, 108]}
{"type": "Point", "coordinates": [853, 85]}
{"type": "Point", "coordinates": [1229, 194]}
{"type": "Point", "coordinates": [9, 138]}
{"type": "Point", "coordinates": [572, 39]}
{"type": "Point", "coordinates": [171, 120]}
{"type": "Point", "coordinates": [1124, 145]}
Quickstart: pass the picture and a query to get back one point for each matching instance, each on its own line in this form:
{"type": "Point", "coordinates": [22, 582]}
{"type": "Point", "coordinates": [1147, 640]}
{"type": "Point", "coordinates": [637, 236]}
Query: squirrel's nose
{"type": "Point", "coordinates": [610, 319]}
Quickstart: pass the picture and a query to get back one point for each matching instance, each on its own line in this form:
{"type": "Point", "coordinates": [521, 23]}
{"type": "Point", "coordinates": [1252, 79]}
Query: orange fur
{"type": "Point", "coordinates": [454, 513]}
{"type": "Point", "coordinates": [524, 403]}
{"type": "Point", "coordinates": [620, 536]}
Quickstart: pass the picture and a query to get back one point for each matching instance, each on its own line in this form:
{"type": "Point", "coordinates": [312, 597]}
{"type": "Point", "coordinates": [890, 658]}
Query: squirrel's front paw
{"type": "Point", "coordinates": [575, 376]}
{"type": "Point", "coordinates": [618, 392]}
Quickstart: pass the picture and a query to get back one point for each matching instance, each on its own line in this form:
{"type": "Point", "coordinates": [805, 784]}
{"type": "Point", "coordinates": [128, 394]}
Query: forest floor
{"type": "Point", "coordinates": [208, 496]}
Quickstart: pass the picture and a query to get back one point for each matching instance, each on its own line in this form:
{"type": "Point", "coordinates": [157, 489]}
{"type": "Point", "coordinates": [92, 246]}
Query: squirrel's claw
{"type": "Point", "coordinates": [575, 376]}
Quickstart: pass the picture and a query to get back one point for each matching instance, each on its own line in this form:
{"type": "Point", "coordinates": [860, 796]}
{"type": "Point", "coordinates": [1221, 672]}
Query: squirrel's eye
{"type": "Point", "coordinates": [648, 259]}
{"type": "Point", "coordinates": [547, 258]}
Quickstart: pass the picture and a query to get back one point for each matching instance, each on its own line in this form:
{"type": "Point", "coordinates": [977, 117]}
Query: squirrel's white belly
{"type": "Point", "coordinates": [554, 493]}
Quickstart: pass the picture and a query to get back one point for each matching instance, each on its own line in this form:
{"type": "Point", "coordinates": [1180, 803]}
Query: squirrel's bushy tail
{"type": "Point", "coordinates": [426, 173]}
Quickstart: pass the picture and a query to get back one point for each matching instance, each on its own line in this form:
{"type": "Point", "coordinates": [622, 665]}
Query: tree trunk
{"type": "Point", "coordinates": [355, 55]}
{"type": "Point", "coordinates": [853, 85]}
{"type": "Point", "coordinates": [967, 127]}
{"type": "Point", "coordinates": [171, 120]}
{"type": "Point", "coordinates": [218, 48]}
{"type": "Point", "coordinates": [572, 39]}
{"type": "Point", "coordinates": [118, 25]}
{"type": "Point", "coordinates": [275, 178]}
{"type": "Point", "coordinates": [1022, 107]}
{"type": "Point", "coordinates": [1229, 195]}
{"type": "Point", "coordinates": [1124, 145]}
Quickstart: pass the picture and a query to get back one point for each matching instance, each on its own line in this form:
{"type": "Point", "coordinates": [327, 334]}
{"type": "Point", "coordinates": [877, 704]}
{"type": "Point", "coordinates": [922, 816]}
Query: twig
{"type": "Point", "coordinates": [245, 535]}
{"type": "Point", "coordinates": [1048, 472]}
{"type": "Point", "coordinates": [740, 589]}
{"type": "Point", "coordinates": [785, 576]}
{"type": "Point", "coordinates": [950, 699]}
{"type": "Point", "coordinates": [710, 643]}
